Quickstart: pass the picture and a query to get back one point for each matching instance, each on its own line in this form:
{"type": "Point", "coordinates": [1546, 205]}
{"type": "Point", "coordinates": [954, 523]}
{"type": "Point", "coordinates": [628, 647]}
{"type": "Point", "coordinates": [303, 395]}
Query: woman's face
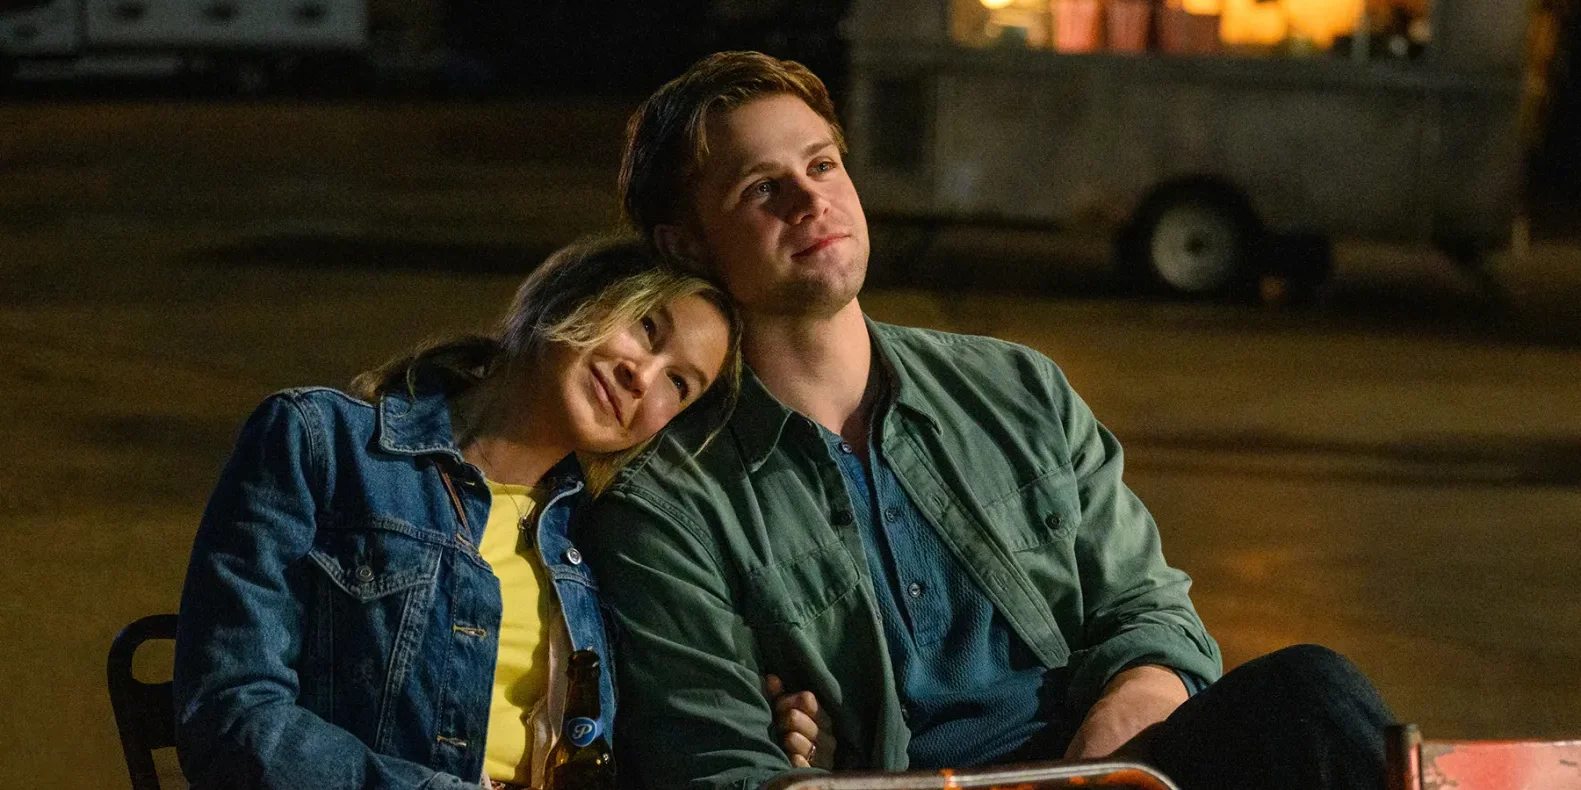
{"type": "Point", "coordinates": [625, 389]}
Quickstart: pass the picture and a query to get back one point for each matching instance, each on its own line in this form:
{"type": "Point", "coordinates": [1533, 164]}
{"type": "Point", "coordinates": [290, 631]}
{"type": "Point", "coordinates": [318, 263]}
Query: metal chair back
{"type": "Point", "coordinates": [145, 714]}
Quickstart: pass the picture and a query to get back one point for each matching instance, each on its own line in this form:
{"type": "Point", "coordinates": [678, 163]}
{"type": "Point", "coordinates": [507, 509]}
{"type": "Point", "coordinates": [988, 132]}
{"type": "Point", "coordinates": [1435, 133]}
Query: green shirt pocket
{"type": "Point", "coordinates": [1045, 510]}
{"type": "Point", "coordinates": [799, 589]}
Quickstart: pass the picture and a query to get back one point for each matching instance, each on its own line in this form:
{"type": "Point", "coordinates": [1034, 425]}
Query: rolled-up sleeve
{"type": "Point", "coordinates": [1136, 608]}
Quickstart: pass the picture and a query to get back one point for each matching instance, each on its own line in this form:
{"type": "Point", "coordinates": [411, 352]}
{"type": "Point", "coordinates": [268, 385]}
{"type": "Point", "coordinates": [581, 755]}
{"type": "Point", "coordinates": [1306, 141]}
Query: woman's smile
{"type": "Point", "coordinates": [604, 392]}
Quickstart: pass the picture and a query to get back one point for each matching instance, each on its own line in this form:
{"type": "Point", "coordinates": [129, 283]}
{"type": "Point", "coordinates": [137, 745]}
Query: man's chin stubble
{"type": "Point", "coordinates": [811, 298]}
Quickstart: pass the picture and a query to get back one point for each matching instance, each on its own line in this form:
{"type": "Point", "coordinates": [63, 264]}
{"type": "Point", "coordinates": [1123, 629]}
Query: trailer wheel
{"type": "Point", "coordinates": [1197, 242]}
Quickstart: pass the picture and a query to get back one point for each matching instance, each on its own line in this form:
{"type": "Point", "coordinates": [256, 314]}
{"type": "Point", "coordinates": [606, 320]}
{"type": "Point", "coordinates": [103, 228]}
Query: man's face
{"type": "Point", "coordinates": [776, 215]}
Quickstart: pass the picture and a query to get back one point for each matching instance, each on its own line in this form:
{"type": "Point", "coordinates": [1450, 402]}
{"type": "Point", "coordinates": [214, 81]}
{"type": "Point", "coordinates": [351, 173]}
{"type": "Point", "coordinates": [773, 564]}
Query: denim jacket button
{"type": "Point", "coordinates": [573, 556]}
{"type": "Point", "coordinates": [364, 573]}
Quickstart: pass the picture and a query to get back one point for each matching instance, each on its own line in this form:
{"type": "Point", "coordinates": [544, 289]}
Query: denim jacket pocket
{"type": "Point", "coordinates": [370, 612]}
{"type": "Point", "coordinates": [375, 557]}
{"type": "Point", "coordinates": [1044, 510]}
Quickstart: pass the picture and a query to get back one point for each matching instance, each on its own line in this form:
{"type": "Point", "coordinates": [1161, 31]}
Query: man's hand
{"type": "Point", "coordinates": [1134, 700]}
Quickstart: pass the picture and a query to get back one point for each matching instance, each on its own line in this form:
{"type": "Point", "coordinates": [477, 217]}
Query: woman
{"type": "Point", "coordinates": [383, 591]}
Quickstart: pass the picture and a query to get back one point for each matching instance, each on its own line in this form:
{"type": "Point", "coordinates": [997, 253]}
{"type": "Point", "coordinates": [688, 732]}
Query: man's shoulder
{"type": "Point", "coordinates": [954, 348]}
{"type": "Point", "coordinates": [928, 358]}
{"type": "Point", "coordinates": [686, 467]}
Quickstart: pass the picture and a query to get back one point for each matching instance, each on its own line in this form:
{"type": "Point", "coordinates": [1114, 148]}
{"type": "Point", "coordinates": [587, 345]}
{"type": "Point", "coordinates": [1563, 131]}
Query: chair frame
{"type": "Point", "coordinates": [1416, 763]}
{"type": "Point", "coordinates": [1085, 774]}
{"type": "Point", "coordinates": [145, 713]}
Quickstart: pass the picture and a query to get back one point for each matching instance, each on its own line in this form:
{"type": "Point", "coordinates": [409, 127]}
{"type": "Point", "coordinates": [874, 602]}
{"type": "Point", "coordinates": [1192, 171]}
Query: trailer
{"type": "Point", "coordinates": [1213, 154]}
{"type": "Point", "coordinates": [245, 45]}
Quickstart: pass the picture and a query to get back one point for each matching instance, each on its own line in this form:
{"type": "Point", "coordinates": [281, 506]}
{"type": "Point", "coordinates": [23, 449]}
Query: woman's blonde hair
{"type": "Point", "coordinates": [581, 296]}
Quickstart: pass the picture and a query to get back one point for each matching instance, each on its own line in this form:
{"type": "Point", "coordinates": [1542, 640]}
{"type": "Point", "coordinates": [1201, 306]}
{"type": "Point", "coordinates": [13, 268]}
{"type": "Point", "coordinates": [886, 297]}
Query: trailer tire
{"type": "Point", "coordinates": [1194, 240]}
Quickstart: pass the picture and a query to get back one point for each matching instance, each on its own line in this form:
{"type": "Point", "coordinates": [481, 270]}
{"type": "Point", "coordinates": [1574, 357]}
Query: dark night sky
{"type": "Point", "coordinates": [632, 45]}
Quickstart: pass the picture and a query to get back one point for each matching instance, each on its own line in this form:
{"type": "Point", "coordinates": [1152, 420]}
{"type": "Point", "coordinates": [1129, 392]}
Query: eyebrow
{"type": "Point", "coordinates": [765, 166]}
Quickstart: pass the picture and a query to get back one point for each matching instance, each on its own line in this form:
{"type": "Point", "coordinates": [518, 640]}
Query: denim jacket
{"type": "Point", "coordinates": [338, 626]}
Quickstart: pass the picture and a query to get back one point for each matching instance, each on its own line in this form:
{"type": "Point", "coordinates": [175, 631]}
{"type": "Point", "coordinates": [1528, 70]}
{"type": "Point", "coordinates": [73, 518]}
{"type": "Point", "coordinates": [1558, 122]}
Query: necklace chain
{"type": "Point", "coordinates": [472, 417]}
{"type": "Point", "coordinates": [513, 498]}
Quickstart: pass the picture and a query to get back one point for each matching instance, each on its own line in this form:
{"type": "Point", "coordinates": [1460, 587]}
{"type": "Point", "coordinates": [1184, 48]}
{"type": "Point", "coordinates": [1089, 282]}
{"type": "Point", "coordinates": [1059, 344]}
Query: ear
{"type": "Point", "coordinates": [677, 243]}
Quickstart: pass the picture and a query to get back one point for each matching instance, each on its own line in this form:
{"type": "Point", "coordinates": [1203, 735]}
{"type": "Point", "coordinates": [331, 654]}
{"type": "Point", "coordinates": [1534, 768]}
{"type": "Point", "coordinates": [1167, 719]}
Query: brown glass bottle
{"type": "Point", "coordinates": [581, 759]}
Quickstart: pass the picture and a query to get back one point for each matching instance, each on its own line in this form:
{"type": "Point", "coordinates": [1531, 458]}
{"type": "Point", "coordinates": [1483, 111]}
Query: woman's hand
{"type": "Point", "coordinates": [804, 728]}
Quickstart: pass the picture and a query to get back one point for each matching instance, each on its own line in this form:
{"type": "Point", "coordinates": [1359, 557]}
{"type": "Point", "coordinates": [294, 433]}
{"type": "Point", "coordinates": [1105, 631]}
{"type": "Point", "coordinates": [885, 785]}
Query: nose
{"type": "Point", "coordinates": [636, 376]}
{"type": "Point", "coordinates": [806, 202]}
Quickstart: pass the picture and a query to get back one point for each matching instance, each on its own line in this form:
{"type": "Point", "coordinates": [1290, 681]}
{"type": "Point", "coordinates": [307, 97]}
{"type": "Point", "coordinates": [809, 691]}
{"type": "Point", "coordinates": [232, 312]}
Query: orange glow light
{"type": "Point", "coordinates": [1251, 22]}
{"type": "Point", "coordinates": [1322, 20]}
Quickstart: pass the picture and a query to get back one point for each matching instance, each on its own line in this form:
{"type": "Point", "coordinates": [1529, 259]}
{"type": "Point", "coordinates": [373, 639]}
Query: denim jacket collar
{"type": "Point", "coordinates": [417, 422]}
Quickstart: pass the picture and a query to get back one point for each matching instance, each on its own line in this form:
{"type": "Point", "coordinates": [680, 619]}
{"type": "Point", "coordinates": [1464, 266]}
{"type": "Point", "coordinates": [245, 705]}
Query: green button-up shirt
{"type": "Point", "coordinates": [744, 559]}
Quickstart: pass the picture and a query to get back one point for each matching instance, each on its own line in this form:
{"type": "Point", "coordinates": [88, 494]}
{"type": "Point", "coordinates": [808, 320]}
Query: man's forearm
{"type": "Point", "coordinates": [1132, 701]}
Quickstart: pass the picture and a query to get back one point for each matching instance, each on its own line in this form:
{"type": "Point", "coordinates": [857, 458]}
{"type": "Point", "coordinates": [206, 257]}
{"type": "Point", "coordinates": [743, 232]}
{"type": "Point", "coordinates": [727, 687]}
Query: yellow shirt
{"type": "Point", "coordinates": [521, 673]}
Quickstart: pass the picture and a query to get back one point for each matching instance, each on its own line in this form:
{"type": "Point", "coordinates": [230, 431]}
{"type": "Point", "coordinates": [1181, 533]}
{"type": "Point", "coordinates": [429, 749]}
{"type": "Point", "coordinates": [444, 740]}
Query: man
{"type": "Point", "coordinates": [927, 531]}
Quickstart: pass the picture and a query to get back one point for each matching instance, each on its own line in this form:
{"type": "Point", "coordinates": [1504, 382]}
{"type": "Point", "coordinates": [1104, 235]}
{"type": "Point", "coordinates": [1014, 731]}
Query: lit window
{"type": "Point", "coordinates": [1396, 29]}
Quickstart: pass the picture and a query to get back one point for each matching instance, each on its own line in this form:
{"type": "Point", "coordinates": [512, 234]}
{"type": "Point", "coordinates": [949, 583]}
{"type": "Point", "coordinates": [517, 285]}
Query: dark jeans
{"type": "Point", "coordinates": [1302, 717]}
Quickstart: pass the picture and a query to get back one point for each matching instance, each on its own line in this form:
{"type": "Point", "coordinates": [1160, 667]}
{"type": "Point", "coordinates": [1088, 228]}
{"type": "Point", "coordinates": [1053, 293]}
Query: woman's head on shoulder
{"type": "Point", "coordinates": [605, 342]}
{"type": "Point", "coordinates": [628, 340]}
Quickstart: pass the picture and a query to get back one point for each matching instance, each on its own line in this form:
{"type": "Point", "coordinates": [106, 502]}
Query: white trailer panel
{"type": "Point", "coordinates": [52, 29]}
{"type": "Point", "coordinates": [273, 25]}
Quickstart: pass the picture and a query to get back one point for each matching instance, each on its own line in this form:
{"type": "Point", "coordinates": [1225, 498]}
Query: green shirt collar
{"type": "Point", "coordinates": [760, 418]}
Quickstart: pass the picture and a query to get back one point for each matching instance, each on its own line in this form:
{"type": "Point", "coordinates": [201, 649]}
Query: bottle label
{"type": "Point", "coordinates": [582, 731]}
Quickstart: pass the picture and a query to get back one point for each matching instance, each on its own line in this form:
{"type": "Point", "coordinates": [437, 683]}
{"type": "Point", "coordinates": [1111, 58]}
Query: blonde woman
{"type": "Point", "coordinates": [384, 589]}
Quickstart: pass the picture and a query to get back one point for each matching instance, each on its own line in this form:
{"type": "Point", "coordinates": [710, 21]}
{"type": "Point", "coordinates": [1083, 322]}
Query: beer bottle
{"type": "Point", "coordinates": [581, 759]}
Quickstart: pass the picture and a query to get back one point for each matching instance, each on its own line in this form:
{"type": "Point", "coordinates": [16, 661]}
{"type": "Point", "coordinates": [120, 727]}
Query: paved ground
{"type": "Point", "coordinates": [1395, 472]}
